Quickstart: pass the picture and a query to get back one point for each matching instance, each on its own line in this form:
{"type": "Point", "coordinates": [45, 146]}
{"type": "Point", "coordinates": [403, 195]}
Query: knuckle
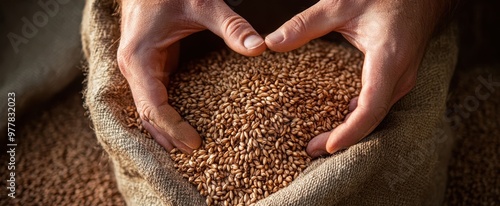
{"type": "Point", "coordinates": [298, 24]}
{"type": "Point", "coordinates": [145, 110]}
{"type": "Point", "coordinates": [234, 26]}
{"type": "Point", "coordinates": [123, 57]}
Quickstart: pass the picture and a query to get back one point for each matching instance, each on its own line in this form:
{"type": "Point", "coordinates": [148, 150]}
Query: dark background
{"type": "Point", "coordinates": [479, 23]}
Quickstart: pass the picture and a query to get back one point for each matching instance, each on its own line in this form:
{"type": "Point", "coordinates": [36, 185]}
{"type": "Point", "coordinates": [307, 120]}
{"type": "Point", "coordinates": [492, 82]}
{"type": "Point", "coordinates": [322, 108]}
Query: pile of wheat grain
{"type": "Point", "coordinates": [257, 114]}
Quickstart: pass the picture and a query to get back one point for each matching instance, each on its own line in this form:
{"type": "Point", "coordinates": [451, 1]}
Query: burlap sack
{"type": "Point", "coordinates": [398, 164]}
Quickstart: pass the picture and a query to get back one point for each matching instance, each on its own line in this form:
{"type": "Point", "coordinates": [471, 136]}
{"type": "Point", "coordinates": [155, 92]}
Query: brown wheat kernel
{"type": "Point", "coordinates": [134, 121]}
{"type": "Point", "coordinates": [257, 114]}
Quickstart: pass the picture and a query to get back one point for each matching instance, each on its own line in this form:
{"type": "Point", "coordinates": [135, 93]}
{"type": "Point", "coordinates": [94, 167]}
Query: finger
{"type": "Point", "coordinates": [164, 120]}
{"type": "Point", "coordinates": [312, 23]}
{"type": "Point", "coordinates": [154, 108]}
{"type": "Point", "coordinates": [146, 75]}
{"type": "Point", "coordinates": [152, 103]}
{"type": "Point", "coordinates": [160, 139]}
{"type": "Point", "coordinates": [237, 33]}
{"type": "Point", "coordinates": [353, 104]}
{"type": "Point", "coordinates": [174, 126]}
{"type": "Point", "coordinates": [373, 104]}
{"type": "Point", "coordinates": [316, 147]}
{"type": "Point", "coordinates": [167, 142]}
{"type": "Point", "coordinates": [358, 125]}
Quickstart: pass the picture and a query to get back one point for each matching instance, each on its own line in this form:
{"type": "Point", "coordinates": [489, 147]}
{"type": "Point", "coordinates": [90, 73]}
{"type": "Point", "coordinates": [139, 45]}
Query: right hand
{"type": "Point", "coordinates": [149, 50]}
{"type": "Point", "coordinates": [393, 36]}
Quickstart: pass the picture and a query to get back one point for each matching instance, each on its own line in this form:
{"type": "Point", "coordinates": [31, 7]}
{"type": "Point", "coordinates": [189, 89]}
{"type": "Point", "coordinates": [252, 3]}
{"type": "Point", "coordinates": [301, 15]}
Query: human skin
{"type": "Point", "coordinates": [392, 34]}
{"type": "Point", "coordinates": [148, 54]}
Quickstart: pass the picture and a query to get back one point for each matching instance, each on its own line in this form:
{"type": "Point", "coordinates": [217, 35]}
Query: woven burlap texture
{"type": "Point", "coordinates": [396, 164]}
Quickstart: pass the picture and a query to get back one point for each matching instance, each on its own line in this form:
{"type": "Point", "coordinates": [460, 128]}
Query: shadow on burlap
{"type": "Point", "coordinates": [403, 162]}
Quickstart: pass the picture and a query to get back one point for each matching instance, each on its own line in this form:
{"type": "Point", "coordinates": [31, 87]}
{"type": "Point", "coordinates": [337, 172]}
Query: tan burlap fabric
{"type": "Point", "coordinates": [397, 164]}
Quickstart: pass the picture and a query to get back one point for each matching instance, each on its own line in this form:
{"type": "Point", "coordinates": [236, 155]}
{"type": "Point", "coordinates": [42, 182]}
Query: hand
{"type": "Point", "coordinates": [148, 53]}
{"type": "Point", "coordinates": [393, 35]}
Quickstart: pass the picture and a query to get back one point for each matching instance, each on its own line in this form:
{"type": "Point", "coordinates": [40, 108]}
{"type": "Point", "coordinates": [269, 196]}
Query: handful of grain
{"type": "Point", "coordinates": [257, 114]}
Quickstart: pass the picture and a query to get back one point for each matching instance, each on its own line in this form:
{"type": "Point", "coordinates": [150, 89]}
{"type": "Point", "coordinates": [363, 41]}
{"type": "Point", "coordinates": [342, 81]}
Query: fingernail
{"type": "Point", "coordinates": [253, 41]}
{"type": "Point", "coordinates": [318, 153]}
{"type": "Point", "coordinates": [275, 37]}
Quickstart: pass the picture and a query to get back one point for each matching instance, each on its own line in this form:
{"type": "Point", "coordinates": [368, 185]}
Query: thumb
{"type": "Point", "coordinates": [312, 23]}
{"type": "Point", "coordinates": [237, 33]}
